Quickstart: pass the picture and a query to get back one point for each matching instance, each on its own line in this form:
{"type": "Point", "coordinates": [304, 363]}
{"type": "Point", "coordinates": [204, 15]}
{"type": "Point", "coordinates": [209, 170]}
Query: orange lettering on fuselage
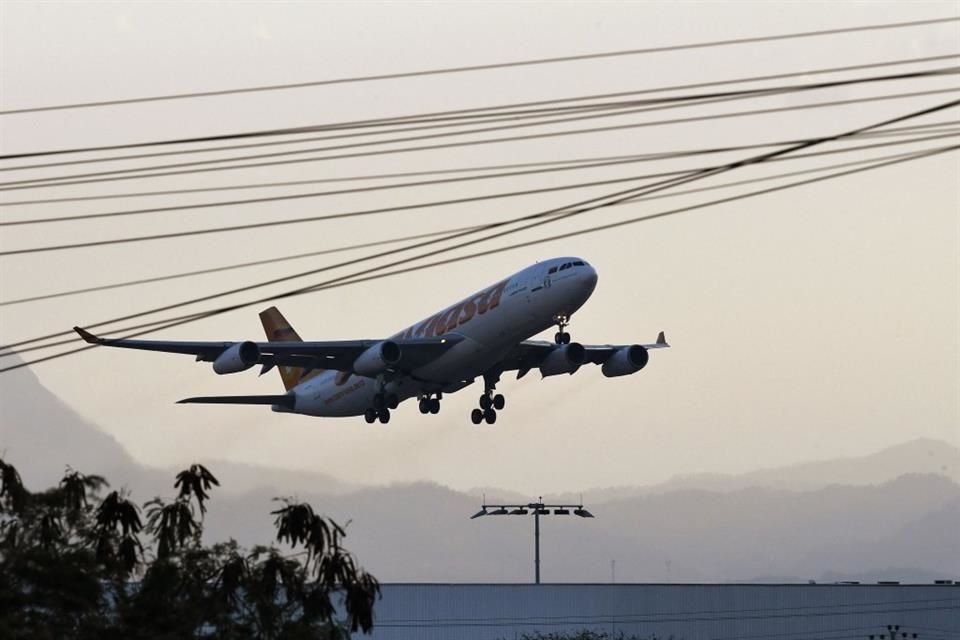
{"type": "Point", "coordinates": [459, 314]}
{"type": "Point", "coordinates": [469, 310]}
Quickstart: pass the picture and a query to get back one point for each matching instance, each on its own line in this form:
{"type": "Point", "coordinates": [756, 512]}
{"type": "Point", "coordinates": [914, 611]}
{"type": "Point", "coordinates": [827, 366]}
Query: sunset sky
{"type": "Point", "coordinates": [815, 322]}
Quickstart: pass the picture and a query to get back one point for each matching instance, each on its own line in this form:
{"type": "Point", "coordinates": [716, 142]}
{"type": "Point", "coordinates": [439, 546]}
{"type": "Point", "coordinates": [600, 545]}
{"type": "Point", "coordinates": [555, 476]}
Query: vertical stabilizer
{"type": "Point", "coordinates": [279, 330]}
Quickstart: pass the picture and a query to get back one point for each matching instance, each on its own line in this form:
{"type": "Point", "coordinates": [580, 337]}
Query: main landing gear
{"type": "Point", "coordinates": [430, 405]}
{"type": "Point", "coordinates": [382, 404]}
{"type": "Point", "coordinates": [489, 404]}
{"type": "Point", "coordinates": [562, 337]}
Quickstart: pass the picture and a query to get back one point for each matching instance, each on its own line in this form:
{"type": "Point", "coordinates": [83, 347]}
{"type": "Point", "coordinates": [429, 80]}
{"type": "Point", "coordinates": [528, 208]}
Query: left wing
{"type": "Point", "coordinates": [338, 355]}
{"type": "Point", "coordinates": [553, 359]}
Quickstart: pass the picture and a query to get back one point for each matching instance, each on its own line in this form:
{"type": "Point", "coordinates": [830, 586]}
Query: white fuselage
{"type": "Point", "coordinates": [490, 324]}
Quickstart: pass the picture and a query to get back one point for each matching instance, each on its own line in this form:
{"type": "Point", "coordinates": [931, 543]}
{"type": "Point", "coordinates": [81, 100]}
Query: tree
{"type": "Point", "coordinates": [74, 565]}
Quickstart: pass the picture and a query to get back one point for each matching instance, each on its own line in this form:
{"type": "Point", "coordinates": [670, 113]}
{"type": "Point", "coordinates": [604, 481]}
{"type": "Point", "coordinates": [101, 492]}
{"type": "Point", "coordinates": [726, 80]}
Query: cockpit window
{"type": "Point", "coordinates": [578, 263]}
{"type": "Point", "coordinates": [565, 265]}
{"type": "Point", "coordinates": [552, 270]}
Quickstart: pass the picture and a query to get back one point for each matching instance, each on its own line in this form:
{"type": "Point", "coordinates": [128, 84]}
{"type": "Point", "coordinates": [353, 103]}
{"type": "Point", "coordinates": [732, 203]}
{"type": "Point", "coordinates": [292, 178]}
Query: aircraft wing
{"type": "Point", "coordinates": [529, 354]}
{"type": "Point", "coordinates": [598, 354]}
{"type": "Point", "coordinates": [338, 355]}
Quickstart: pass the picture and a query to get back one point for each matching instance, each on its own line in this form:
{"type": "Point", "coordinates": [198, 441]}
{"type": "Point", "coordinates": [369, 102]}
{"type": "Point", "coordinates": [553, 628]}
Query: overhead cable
{"type": "Point", "coordinates": [555, 164]}
{"type": "Point", "coordinates": [488, 66]}
{"type": "Point", "coordinates": [289, 131]}
{"type": "Point", "coordinates": [563, 213]}
{"type": "Point", "coordinates": [366, 212]}
{"type": "Point", "coordinates": [199, 166]}
{"type": "Point", "coordinates": [593, 110]}
{"type": "Point", "coordinates": [300, 256]}
{"type": "Point", "coordinates": [356, 280]}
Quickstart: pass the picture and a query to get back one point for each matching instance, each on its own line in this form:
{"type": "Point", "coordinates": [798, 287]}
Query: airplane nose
{"type": "Point", "coordinates": [590, 278]}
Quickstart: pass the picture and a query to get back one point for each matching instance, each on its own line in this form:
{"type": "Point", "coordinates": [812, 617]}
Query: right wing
{"type": "Point", "coordinates": [531, 354]}
{"type": "Point", "coordinates": [338, 355]}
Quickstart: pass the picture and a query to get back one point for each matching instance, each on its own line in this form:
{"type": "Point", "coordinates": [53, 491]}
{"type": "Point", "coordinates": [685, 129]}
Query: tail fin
{"type": "Point", "coordinates": [279, 330]}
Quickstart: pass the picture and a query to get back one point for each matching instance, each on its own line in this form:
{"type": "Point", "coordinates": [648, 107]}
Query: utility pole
{"type": "Point", "coordinates": [538, 509]}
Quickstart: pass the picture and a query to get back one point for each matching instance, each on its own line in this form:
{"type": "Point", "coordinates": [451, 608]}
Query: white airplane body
{"type": "Point", "coordinates": [480, 336]}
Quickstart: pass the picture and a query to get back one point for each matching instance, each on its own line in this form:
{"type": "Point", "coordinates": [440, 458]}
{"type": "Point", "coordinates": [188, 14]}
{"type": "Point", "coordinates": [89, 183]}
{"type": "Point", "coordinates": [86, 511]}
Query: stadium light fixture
{"type": "Point", "coordinates": [537, 509]}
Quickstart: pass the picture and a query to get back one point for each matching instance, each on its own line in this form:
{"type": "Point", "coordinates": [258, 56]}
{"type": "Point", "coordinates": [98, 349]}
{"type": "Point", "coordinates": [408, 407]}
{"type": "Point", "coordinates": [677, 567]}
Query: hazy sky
{"type": "Point", "coordinates": [811, 323]}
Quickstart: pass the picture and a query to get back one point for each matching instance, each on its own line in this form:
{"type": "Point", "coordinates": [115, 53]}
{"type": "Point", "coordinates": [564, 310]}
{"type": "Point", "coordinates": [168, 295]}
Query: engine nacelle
{"type": "Point", "coordinates": [377, 359]}
{"type": "Point", "coordinates": [564, 359]}
{"type": "Point", "coordinates": [626, 360]}
{"type": "Point", "coordinates": [238, 357]}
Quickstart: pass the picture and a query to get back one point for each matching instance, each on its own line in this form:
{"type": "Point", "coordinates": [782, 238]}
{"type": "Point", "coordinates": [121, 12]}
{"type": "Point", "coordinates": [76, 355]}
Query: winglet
{"type": "Point", "coordinates": [661, 339]}
{"type": "Point", "coordinates": [87, 336]}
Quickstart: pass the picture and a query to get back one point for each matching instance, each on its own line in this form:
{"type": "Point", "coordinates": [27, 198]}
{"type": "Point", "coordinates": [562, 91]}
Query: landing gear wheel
{"type": "Point", "coordinates": [498, 402]}
{"type": "Point", "coordinates": [485, 402]}
{"type": "Point", "coordinates": [424, 406]}
{"type": "Point", "coordinates": [384, 416]}
{"type": "Point", "coordinates": [392, 401]}
{"type": "Point", "coordinates": [370, 415]}
{"type": "Point", "coordinates": [490, 416]}
{"type": "Point", "coordinates": [476, 416]}
{"type": "Point", "coordinates": [434, 407]}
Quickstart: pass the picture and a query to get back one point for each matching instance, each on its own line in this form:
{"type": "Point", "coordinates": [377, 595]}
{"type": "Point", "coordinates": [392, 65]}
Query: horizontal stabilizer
{"type": "Point", "coordinates": [87, 336]}
{"type": "Point", "coordinates": [284, 400]}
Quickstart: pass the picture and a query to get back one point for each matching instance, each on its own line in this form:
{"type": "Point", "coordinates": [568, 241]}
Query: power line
{"type": "Point", "coordinates": [488, 66]}
{"type": "Point", "coordinates": [414, 117]}
{"type": "Point", "coordinates": [374, 211]}
{"type": "Point", "coordinates": [549, 212]}
{"type": "Point", "coordinates": [120, 174]}
{"type": "Point", "coordinates": [354, 279]}
{"type": "Point", "coordinates": [456, 230]}
{"type": "Point", "coordinates": [573, 164]}
{"type": "Point", "coordinates": [231, 267]}
{"type": "Point", "coordinates": [556, 214]}
{"type": "Point", "coordinates": [609, 109]}
{"type": "Point", "coordinates": [592, 203]}
{"type": "Point", "coordinates": [453, 233]}
{"type": "Point", "coordinates": [404, 126]}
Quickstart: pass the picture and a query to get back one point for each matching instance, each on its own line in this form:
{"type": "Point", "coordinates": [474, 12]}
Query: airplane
{"type": "Point", "coordinates": [481, 336]}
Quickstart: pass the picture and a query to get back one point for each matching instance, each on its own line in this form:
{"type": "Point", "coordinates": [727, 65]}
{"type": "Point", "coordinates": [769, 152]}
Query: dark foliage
{"type": "Point", "coordinates": [75, 565]}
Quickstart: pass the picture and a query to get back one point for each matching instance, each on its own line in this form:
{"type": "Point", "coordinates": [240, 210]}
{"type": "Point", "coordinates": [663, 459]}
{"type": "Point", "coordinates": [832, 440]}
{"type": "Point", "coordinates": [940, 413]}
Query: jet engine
{"type": "Point", "coordinates": [625, 360]}
{"type": "Point", "coordinates": [377, 359]}
{"type": "Point", "coordinates": [238, 357]}
{"type": "Point", "coordinates": [565, 359]}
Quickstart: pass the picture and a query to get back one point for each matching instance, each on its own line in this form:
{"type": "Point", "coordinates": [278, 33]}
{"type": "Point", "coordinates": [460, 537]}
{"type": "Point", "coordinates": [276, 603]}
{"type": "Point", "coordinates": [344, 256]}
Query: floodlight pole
{"type": "Point", "coordinates": [536, 540]}
{"type": "Point", "coordinates": [538, 508]}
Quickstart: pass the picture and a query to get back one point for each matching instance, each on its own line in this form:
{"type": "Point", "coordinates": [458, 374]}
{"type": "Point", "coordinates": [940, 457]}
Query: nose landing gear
{"type": "Point", "coordinates": [562, 337]}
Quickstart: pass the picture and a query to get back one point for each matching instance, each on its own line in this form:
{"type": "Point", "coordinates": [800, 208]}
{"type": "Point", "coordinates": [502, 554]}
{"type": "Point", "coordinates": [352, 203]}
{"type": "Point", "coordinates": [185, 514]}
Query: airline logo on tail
{"type": "Point", "coordinates": [279, 330]}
